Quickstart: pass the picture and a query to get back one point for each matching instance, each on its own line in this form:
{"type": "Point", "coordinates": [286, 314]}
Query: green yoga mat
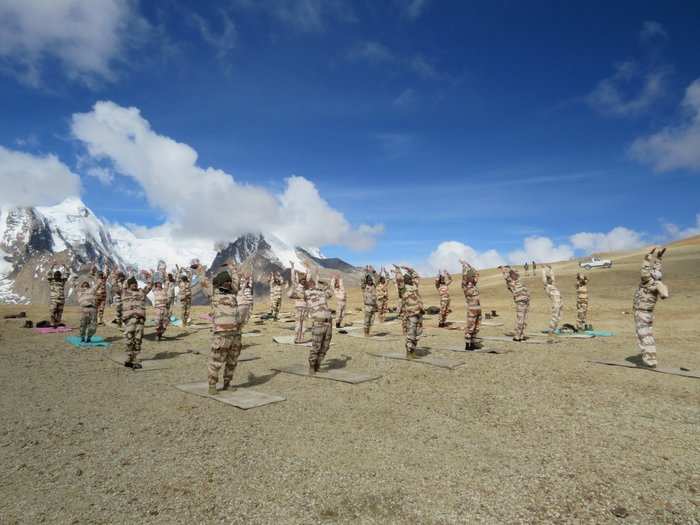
{"type": "Point", "coordinates": [95, 342]}
{"type": "Point", "coordinates": [596, 333]}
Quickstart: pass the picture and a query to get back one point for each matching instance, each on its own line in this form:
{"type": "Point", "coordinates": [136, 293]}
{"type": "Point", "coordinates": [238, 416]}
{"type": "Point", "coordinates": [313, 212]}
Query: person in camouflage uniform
{"type": "Point", "coordinates": [341, 298]}
{"type": "Point", "coordinates": [185, 294]}
{"type": "Point", "coordinates": [276, 287]}
{"type": "Point", "coordinates": [245, 298]}
{"type": "Point", "coordinates": [118, 283]}
{"type": "Point", "coordinates": [650, 290]}
{"type": "Point", "coordinates": [581, 302]}
{"type": "Point", "coordinates": [554, 295]}
{"type": "Point", "coordinates": [442, 285]}
{"type": "Point", "coordinates": [316, 295]}
{"type": "Point", "coordinates": [398, 279]}
{"type": "Point", "coordinates": [412, 307]}
{"type": "Point", "coordinates": [226, 341]}
{"type": "Point", "coordinates": [369, 297]}
{"type": "Point", "coordinates": [521, 298]}
{"type": "Point", "coordinates": [382, 296]}
{"type": "Point", "coordinates": [297, 288]}
{"type": "Point", "coordinates": [169, 287]}
{"type": "Point", "coordinates": [57, 293]}
{"type": "Point", "coordinates": [134, 304]}
{"type": "Point", "coordinates": [162, 314]}
{"type": "Point", "coordinates": [86, 300]}
{"type": "Point", "coordinates": [470, 278]}
{"type": "Point", "coordinates": [101, 278]}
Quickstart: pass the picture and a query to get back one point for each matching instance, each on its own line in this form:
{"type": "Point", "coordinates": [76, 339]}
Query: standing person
{"type": "Point", "coordinates": [554, 295]}
{"type": "Point", "coordinates": [185, 294]}
{"type": "Point", "coordinates": [101, 294]}
{"type": "Point", "coordinates": [276, 286]}
{"type": "Point", "coordinates": [316, 295]}
{"type": "Point", "coordinates": [525, 267]}
{"type": "Point", "coordinates": [521, 298]}
{"type": "Point", "coordinates": [442, 284]}
{"type": "Point", "coordinates": [226, 341]}
{"type": "Point", "coordinates": [160, 303]}
{"type": "Point", "coordinates": [245, 298]}
{"type": "Point", "coordinates": [297, 288]}
{"type": "Point", "coordinates": [470, 278]}
{"type": "Point", "coordinates": [534, 268]}
{"type": "Point", "coordinates": [169, 287]}
{"type": "Point", "coordinates": [57, 293]}
{"type": "Point", "coordinates": [341, 297]}
{"type": "Point", "coordinates": [412, 306]}
{"type": "Point", "coordinates": [581, 302]}
{"type": "Point", "coordinates": [88, 310]}
{"type": "Point", "coordinates": [650, 290]}
{"type": "Point", "coordinates": [398, 277]}
{"type": "Point", "coordinates": [382, 296]}
{"type": "Point", "coordinates": [369, 297]}
{"type": "Point", "coordinates": [118, 284]}
{"type": "Point", "coordinates": [134, 301]}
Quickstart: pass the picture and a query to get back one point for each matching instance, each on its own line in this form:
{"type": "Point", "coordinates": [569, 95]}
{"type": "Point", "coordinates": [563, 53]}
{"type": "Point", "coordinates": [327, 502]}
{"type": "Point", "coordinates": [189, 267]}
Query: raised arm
{"type": "Point", "coordinates": [448, 278]}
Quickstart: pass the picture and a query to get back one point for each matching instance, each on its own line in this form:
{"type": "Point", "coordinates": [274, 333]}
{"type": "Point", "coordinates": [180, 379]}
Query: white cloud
{"type": "Point", "coordinates": [540, 249]}
{"type": "Point", "coordinates": [33, 180]}
{"type": "Point", "coordinates": [412, 8]}
{"type": "Point", "coordinates": [617, 239]}
{"type": "Point", "coordinates": [629, 90]}
{"type": "Point", "coordinates": [652, 30]}
{"type": "Point", "coordinates": [447, 255]}
{"type": "Point", "coordinates": [675, 232]}
{"type": "Point", "coordinates": [87, 37]}
{"type": "Point", "coordinates": [223, 41]}
{"type": "Point", "coordinates": [420, 65]}
{"type": "Point", "coordinates": [406, 99]}
{"type": "Point", "coordinates": [370, 51]}
{"type": "Point", "coordinates": [674, 147]}
{"type": "Point", "coordinates": [307, 16]}
{"type": "Point", "coordinates": [208, 202]}
{"type": "Point", "coordinates": [104, 175]}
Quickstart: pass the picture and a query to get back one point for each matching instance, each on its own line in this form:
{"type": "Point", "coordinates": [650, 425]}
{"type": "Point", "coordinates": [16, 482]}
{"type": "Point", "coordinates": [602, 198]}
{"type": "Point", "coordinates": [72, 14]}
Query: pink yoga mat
{"type": "Point", "coordinates": [206, 317]}
{"type": "Point", "coordinates": [50, 330]}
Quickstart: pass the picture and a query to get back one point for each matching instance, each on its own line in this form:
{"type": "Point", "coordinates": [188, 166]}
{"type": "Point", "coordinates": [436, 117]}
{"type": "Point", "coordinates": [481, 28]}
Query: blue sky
{"type": "Point", "coordinates": [479, 123]}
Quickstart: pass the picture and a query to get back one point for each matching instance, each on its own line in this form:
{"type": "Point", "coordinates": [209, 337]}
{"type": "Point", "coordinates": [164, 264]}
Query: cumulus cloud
{"type": "Point", "coordinates": [34, 180]}
{"type": "Point", "coordinates": [87, 37]}
{"type": "Point", "coordinates": [540, 249]}
{"type": "Point", "coordinates": [447, 255]}
{"type": "Point", "coordinates": [630, 90]}
{"type": "Point", "coordinates": [674, 232]}
{"type": "Point", "coordinates": [208, 202]}
{"type": "Point", "coordinates": [406, 99]}
{"type": "Point", "coordinates": [674, 147]}
{"type": "Point", "coordinates": [412, 8]}
{"type": "Point", "coordinates": [617, 239]}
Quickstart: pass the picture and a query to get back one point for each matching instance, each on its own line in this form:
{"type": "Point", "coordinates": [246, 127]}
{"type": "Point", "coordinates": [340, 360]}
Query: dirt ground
{"type": "Point", "coordinates": [538, 434]}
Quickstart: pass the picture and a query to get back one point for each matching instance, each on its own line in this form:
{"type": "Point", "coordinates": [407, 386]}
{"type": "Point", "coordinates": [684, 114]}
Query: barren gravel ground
{"type": "Point", "coordinates": [534, 435]}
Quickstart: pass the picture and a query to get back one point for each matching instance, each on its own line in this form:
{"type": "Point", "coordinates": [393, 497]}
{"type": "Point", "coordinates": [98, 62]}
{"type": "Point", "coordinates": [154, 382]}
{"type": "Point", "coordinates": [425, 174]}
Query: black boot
{"type": "Point", "coordinates": [89, 339]}
{"type": "Point", "coordinates": [82, 339]}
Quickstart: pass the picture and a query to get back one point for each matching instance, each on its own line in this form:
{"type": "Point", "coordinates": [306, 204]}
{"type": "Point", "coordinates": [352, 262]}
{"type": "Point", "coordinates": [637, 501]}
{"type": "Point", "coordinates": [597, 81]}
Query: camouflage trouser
{"type": "Point", "coordinates": [225, 349]}
{"type": "Point", "coordinates": [133, 334]}
{"type": "Point", "coordinates": [88, 321]}
{"type": "Point", "coordinates": [444, 309]}
{"type": "Point", "coordinates": [162, 319]}
{"type": "Point", "coordinates": [186, 303]}
{"type": "Point", "coordinates": [414, 324]}
{"type": "Point", "coordinates": [643, 320]}
{"type": "Point", "coordinates": [299, 325]}
{"type": "Point", "coordinates": [404, 321]}
{"type": "Point", "coordinates": [471, 330]}
{"type": "Point", "coordinates": [555, 312]}
{"type": "Point", "coordinates": [56, 312]}
{"type": "Point", "coordinates": [321, 333]}
{"type": "Point", "coordinates": [119, 312]}
{"type": "Point", "coordinates": [275, 307]}
{"type": "Point", "coordinates": [341, 313]}
{"type": "Point", "coordinates": [581, 314]}
{"type": "Point", "coordinates": [382, 308]}
{"type": "Point", "coordinates": [521, 308]}
{"type": "Point", "coordinates": [370, 310]}
{"type": "Point", "coordinates": [100, 303]}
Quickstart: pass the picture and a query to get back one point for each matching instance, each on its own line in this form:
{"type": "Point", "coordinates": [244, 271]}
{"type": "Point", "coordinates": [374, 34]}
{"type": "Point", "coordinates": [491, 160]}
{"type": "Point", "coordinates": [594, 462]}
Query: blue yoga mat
{"type": "Point", "coordinates": [600, 333]}
{"type": "Point", "coordinates": [95, 342]}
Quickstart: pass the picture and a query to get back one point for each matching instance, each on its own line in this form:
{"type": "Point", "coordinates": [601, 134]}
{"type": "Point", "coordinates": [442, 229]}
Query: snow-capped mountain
{"type": "Point", "coordinates": [32, 239]}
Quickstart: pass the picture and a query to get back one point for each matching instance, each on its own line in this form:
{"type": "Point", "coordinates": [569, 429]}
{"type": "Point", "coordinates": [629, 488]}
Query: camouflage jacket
{"type": "Point", "coordinates": [651, 288]}
{"type": "Point", "coordinates": [57, 288]}
{"type": "Point", "coordinates": [518, 289]}
{"type": "Point", "coordinates": [339, 289]}
{"type": "Point", "coordinates": [134, 302]}
{"type": "Point", "coordinates": [411, 301]}
{"type": "Point", "coordinates": [316, 300]}
{"type": "Point", "coordinates": [582, 288]}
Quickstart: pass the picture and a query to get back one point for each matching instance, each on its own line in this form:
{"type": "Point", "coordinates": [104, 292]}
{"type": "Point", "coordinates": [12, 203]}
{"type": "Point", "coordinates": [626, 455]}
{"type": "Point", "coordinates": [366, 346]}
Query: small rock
{"type": "Point", "coordinates": [620, 512]}
{"type": "Point", "coordinates": [78, 472]}
{"type": "Point", "coordinates": [153, 512]}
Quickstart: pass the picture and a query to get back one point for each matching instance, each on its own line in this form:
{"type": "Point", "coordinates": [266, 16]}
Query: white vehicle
{"type": "Point", "coordinates": [595, 262]}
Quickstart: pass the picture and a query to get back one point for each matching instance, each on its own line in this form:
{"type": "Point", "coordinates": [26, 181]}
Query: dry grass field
{"type": "Point", "coordinates": [535, 435]}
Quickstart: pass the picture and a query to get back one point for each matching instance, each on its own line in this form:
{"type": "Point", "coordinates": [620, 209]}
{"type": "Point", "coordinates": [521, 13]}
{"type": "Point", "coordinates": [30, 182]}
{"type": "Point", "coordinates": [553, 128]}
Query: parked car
{"type": "Point", "coordinates": [595, 262]}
